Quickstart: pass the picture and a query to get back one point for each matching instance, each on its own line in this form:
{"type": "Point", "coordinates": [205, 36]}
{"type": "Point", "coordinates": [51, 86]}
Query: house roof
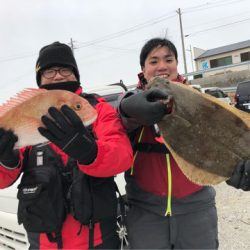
{"type": "Point", "coordinates": [224, 49]}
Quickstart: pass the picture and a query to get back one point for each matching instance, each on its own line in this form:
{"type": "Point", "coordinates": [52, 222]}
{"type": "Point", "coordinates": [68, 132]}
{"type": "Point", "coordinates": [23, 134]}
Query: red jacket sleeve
{"type": "Point", "coordinates": [114, 149]}
{"type": "Point", "coordinates": [8, 176]}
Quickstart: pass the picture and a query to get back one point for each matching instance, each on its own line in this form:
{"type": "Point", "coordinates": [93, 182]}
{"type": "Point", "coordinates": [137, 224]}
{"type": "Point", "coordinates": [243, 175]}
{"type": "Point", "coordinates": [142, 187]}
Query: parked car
{"type": "Point", "coordinates": [213, 91]}
{"type": "Point", "coordinates": [218, 93]}
{"type": "Point", "coordinates": [12, 235]}
{"type": "Point", "coordinates": [242, 96]}
{"type": "Point", "coordinates": [110, 93]}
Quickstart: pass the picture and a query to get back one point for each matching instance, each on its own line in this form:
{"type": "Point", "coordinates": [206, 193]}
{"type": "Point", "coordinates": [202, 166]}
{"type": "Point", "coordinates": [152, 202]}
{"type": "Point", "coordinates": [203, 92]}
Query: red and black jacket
{"type": "Point", "coordinates": [150, 171]}
{"type": "Point", "coordinates": [114, 156]}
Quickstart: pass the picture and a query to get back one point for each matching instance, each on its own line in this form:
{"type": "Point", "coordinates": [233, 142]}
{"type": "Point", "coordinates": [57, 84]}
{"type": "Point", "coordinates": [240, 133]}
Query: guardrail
{"type": "Point", "coordinates": [228, 89]}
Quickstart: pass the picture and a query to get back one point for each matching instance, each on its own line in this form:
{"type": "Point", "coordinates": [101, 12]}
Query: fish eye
{"type": "Point", "coordinates": [78, 106]}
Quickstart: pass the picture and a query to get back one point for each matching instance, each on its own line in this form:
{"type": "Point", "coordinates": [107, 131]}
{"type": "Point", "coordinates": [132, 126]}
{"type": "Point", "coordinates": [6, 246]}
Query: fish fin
{"type": "Point", "coordinates": [19, 98]}
{"type": "Point", "coordinates": [193, 173]}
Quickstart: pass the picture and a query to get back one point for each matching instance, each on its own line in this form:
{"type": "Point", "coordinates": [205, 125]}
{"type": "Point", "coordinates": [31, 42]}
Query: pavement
{"type": "Point", "coordinates": [233, 208]}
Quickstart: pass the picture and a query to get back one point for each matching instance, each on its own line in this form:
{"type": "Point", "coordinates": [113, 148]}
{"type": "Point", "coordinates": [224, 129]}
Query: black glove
{"type": "Point", "coordinates": [145, 106]}
{"type": "Point", "coordinates": [240, 178]}
{"type": "Point", "coordinates": [8, 156]}
{"type": "Point", "coordinates": [69, 134]}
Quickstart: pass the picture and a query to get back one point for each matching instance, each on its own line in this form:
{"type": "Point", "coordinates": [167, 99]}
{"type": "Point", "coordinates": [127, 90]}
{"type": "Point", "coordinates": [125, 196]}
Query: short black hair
{"type": "Point", "coordinates": [154, 43]}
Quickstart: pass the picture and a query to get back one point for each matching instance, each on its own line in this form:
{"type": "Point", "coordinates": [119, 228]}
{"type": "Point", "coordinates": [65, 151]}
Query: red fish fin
{"type": "Point", "coordinates": [19, 98]}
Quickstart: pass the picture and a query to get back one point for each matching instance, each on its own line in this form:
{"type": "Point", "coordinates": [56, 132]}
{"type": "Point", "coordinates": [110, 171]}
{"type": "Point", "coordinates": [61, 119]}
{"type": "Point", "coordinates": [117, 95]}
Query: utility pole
{"type": "Point", "coordinates": [72, 45]}
{"type": "Point", "coordinates": [182, 41]}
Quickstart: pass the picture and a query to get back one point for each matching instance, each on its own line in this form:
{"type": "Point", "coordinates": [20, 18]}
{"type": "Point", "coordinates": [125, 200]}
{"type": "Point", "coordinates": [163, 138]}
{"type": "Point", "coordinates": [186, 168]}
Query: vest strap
{"type": "Point", "coordinates": [91, 234]}
{"type": "Point", "coordinates": [151, 147]}
{"type": "Point", "coordinates": [57, 238]}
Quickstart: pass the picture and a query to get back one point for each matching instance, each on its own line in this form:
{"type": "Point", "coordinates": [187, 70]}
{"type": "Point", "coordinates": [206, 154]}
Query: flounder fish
{"type": "Point", "coordinates": [22, 113]}
{"type": "Point", "coordinates": [206, 136]}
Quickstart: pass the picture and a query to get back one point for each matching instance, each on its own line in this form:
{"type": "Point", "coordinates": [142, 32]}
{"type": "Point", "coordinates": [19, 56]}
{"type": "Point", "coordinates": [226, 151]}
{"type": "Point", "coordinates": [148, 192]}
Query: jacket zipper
{"type": "Point", "coordinates": [169, 201]}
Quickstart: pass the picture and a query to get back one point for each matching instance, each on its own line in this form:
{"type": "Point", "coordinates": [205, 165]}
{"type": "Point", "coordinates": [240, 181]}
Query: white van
{"type": "Point", "coordinates": [12, 235]}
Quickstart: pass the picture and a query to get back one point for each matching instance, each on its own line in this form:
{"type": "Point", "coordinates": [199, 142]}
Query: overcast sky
{"type": "Point", "coordinates": [108, 34]}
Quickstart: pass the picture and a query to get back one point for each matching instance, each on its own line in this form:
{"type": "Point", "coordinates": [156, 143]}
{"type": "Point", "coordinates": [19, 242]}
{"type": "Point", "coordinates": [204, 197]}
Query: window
{"type": "Point", "coordinates": [221, 62]}
{"type": "Point", "coordinates": [245, 56]}
{"type": "Point", "coordinates": [198, 76]}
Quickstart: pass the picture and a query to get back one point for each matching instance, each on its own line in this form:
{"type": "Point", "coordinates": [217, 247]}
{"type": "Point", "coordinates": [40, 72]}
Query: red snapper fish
{"type": "Point", "coordinates": [22, 113]}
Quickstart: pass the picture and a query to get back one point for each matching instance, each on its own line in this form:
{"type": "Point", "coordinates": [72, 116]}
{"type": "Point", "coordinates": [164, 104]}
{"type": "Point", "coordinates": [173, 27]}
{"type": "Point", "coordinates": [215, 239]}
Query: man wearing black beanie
{"type": "Point", "coordinates": [55, 54]}
{"type": "Point", "coordinates": [67, 194]}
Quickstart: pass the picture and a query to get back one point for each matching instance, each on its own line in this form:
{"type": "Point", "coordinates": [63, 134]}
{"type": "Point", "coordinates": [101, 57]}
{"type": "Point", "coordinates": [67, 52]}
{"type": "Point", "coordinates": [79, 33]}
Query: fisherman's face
{"type": "Point", "coordinates": [57, 74]}
{"type": "Point", "coordinates": [160, 62]}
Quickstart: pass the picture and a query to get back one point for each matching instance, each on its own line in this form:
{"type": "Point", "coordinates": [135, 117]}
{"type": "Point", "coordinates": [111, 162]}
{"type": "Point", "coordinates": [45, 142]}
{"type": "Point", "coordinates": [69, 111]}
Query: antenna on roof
{"type": "Point", "coordinates": [119, 84]}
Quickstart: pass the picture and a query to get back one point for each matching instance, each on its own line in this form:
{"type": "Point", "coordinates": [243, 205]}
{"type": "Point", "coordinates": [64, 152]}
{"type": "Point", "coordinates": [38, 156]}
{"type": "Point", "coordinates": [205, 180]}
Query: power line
{"type": "Point", "coordinates": [219, 19]}
{"type": "Point", "coordinates": [122, 49]}
{"type": "Point", "coordinates": [126, 31]}
{"type": "Point", "coordinates": [217, 27]}
{"type": "Point", "coordinates": [13, 58]}
{"type": "Point", "coordinates": [108, 37]}
{"type": "Point", "coordinates": [141, 26]}
{"type": "Point", "coordinates": [210, 5]}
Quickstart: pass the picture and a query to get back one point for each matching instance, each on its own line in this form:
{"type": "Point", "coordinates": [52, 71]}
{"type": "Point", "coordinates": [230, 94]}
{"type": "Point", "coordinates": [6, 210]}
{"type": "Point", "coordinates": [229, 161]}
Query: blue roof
{"type": "Point", "coordinates": [224, 49]}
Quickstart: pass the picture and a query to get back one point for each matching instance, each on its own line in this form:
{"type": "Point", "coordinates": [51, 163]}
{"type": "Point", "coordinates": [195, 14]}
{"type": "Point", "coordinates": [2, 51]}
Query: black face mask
{"type": "Point", "coordinates": [69, 86]}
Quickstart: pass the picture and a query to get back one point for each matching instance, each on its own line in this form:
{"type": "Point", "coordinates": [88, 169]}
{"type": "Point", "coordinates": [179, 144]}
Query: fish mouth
{"type": "Point", "coordinates": [169, 104]}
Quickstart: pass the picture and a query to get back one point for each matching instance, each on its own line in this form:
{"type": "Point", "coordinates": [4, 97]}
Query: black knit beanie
{"type": "Point", "coordinates": [55, 54]}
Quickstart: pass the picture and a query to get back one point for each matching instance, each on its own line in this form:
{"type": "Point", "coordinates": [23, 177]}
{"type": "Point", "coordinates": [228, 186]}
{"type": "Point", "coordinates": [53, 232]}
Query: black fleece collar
{"type": "Point", "coordinates": [69, 86]}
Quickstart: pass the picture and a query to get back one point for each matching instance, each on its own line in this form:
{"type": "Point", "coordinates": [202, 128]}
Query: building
{"type": "Point", "coordinates": [230, 58]}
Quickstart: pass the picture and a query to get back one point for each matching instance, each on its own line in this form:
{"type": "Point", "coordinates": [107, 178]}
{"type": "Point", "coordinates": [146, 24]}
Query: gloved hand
{"type": "Point", "coordinates": [8, 156]}
{"type": "Point", "coordinates": [145, 106]}
{"type": "Point", "coordinates": [240, 178]}
{"type": "Point", "coordinates": [69, 134]}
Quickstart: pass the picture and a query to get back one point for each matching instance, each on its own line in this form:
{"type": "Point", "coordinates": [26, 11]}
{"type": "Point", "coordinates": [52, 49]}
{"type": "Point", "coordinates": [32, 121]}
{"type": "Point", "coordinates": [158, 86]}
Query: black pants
{"type": "Point", "coordinates": [197, 230]}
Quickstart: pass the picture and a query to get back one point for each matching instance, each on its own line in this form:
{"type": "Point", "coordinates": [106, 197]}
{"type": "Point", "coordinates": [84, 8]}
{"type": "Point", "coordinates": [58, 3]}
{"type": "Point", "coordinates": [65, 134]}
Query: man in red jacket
{"type": "Point", "coordinates": [67, 195]}
{"type": "Point", "coordinates": [167, 210]}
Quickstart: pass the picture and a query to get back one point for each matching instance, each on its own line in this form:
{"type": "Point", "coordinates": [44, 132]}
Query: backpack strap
{"type": "Point", "coordinates": [57, 238]}
{"type": "Point", "coordinates": [145, 146]}
{"type": "Point", "coordinates": [91, 234]}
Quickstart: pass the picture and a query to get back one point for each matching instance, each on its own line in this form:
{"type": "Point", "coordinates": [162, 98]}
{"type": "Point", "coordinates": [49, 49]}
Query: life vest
{"type": "Point", "coordinates": [157, 147]}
